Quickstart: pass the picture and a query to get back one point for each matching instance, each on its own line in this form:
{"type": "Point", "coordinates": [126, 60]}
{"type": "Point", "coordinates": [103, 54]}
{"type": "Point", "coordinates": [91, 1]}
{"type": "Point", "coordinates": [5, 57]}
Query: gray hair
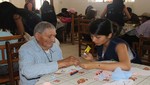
{"type": "Point", "coordinates": [41, 26]}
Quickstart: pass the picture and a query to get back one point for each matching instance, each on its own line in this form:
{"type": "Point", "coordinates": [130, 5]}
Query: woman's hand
{"type": "Point", "coordinates": [88, 56]}
{"type": "Point", "coordinates": [89, 65]}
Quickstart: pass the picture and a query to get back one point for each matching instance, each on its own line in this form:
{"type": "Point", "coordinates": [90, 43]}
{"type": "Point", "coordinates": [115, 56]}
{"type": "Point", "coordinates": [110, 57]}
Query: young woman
{"type": "Point", "coordinates": [48, 13]}
{"type": "Point", "coordinates": [115, 12]}
{"type": "Point", "coordinates": [109, 47]}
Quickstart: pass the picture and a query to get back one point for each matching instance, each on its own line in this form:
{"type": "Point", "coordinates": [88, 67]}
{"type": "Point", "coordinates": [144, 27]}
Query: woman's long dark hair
{"type": "Point", "coordinates": [7, 12]}
{"type": "Point", "coordinates": [104, 27]}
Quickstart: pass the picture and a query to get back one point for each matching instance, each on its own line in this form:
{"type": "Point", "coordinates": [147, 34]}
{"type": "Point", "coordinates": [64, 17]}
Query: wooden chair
{"type": "Point", "coordinates": [73, 35]}
{"type": "Point", "coordinates": [74, 25]}
{"type": "Point", "coordinates": [144, 49]}
{"type": "Point", "coordinates": [11, 76]}
{"type": "Point", "coordinates": [83, 31]}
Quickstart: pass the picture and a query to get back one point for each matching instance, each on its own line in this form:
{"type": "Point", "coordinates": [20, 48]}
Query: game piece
{"type": "Point", "coordinates": [80, 72]}
{"type": "Point", "coordinates": [146, 68]}
{"type": "Point", "coordinates": [82, 80]}
{"type": "Point", "coordinates": [133, 78]}
{"type": "Point", "coordinates": [56, 80]}
{"type": "Point", "coordinates": [106, 79]}
{"type": "Point", "coordinates": [74, 72]}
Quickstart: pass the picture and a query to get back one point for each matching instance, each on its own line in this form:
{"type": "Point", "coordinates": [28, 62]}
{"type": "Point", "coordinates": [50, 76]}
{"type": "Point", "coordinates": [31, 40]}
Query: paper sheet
{"type": "Point", "coordinates": [141, 72]}
{"type": "Point", "coordinates": [68, 69]}
{"type": "Point", "coordinates": [121, 82]}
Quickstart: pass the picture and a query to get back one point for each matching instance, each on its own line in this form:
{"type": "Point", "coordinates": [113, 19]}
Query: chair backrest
{"type": "Point", "coordinates": [6, 38]}
{"type": "Point", "coordinates": [74, 25]}
{"type": "Point", "coordinates": [84, 36]}
{"type": "Point", "coordinates": [6, 56]}
{"type": "Point", "coordinates": [144, 49]}
{"type": "Point", "coordinates": [12, 57]}
{"type": "Point", "coordinates": [2, 50]}
{"type": "Point", "coordinates": [3, 47]}
{"type": "Point", "coordinates": [83, 27]}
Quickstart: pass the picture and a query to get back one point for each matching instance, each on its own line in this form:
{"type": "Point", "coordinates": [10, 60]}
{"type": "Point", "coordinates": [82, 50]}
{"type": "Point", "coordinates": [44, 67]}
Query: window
{"type": "Point", "coordinates": [95, 0]}
{"type": "Point", "coordinates": [108, 0]}
{"type": "Point", "coordinates": [3, 0]}
{"type": "Point", "coordinates": [130, 0]}
{"type": "Point", "coordinates": [38, 3]}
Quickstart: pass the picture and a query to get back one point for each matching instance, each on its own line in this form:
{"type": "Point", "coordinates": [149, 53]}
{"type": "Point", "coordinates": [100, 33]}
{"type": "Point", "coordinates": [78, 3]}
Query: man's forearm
{"type": "Point", "coordinates": [34, 71]}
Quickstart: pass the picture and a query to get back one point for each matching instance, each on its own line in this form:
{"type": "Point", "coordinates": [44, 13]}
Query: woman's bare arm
{"type": "Point", "coordinates": [127, 13]}
{"type": "Point", "coordinates": [19, 23]}
{"type": "Point", "coordinates": [104, 13]}
{"type": "Point", "coordinates": [124, 61]}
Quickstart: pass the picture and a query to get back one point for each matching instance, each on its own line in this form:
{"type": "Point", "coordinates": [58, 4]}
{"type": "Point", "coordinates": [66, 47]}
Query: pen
{"type": "Point", "coordinates": [74, 72]}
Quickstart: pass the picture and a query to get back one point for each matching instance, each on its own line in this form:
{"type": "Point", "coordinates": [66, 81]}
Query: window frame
{"type": "Point", "coordinates": [4, 0]}
{"type": "Point", "coordinates": [108, 1]}
{"type": "Point", "coordinates": [38, 3]}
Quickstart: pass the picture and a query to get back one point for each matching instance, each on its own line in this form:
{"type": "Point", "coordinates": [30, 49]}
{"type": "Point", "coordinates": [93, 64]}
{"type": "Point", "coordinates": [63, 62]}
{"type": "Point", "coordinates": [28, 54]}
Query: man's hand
{"type": "Point", "coordinates": [68, 62]}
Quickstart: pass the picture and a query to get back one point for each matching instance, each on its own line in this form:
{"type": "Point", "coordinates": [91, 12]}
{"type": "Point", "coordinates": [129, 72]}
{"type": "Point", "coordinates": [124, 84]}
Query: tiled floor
{"type": "Point", "coordinates": [70, 50]}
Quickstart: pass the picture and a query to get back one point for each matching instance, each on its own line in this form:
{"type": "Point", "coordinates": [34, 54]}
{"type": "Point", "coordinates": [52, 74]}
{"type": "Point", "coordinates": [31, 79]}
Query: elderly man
{"type": "Point", "coordinates": [41, 55]}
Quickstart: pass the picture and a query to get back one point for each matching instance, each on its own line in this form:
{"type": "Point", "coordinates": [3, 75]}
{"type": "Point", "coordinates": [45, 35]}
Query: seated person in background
{"type": "Point", "coordinates": [109, 47]}
{"type": "Point", "coordinates": [91, 14]}
{"type": "Point", "coordinates": [64, 22]}
{"type": "Point", "coordinates": [88, 9]}
{"type": "Point", "coordinates": [41, 55]}
{"type": "Point", "coordinates": [143, 29]}
{"type": "Point", "coordinates": [64, 16]}
{"type": "Point", "coordinates": [64, 13]}
{"type": "Point", "coordinates": [134, 18]}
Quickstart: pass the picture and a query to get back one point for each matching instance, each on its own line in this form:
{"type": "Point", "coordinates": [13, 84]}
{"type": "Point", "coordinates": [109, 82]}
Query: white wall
{"type": "Point", "coordinates": [56, 5]}
{"type": "Point", "coordinates": [18, 3]}
{"type": "Point", "coordinates": [139, 6]}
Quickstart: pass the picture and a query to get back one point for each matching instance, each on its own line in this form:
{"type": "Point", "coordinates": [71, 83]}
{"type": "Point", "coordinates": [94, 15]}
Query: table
{"type": "Point", "coordinates": [66, 79]}
{"type": "Point", "coordinates": [127, 28]}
